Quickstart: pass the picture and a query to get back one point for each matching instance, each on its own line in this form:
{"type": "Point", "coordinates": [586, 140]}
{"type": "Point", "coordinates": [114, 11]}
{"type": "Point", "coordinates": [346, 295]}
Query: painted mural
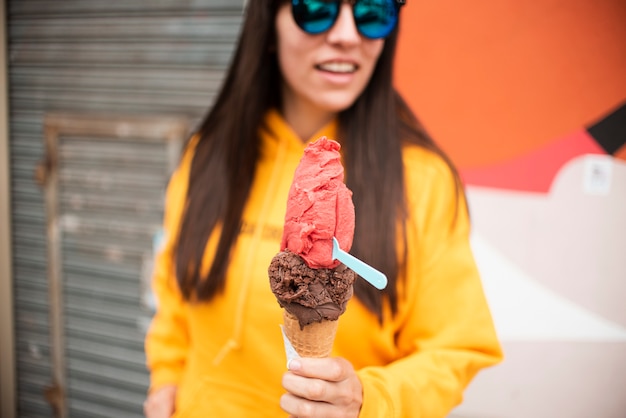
{"type": "Point", "coordinates": [529, 100]}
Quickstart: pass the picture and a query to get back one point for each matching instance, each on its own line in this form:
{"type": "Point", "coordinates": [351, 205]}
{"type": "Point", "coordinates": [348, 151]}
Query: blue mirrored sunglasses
{"type": "Point", "coordinates": [374, 19]}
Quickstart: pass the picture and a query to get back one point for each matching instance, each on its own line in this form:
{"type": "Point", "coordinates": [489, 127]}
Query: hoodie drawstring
{"type": "Point", "coordinates": [233, 342]}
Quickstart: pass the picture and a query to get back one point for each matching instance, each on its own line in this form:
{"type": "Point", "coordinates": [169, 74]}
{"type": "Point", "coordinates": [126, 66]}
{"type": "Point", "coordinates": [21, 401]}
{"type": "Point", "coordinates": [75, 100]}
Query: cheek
{"type": "Point", "coordinates": [373, 49]}
{"type": "Point", "coordinates": [288, 60]}
{"type": "Point", "coordinates": [371, 53]}
{"type": "Point", "coordinates": [295, 56]}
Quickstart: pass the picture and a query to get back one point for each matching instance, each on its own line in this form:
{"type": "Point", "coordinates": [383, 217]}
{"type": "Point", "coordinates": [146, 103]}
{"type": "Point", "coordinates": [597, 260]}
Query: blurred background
{"type": "Point", "coordinates": [528, 98]}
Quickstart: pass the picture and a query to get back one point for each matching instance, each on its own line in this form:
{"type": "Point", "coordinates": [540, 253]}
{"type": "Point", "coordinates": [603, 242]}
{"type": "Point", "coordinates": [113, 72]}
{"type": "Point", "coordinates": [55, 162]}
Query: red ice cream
{"type": "Point", "coordinates": [319, 206]}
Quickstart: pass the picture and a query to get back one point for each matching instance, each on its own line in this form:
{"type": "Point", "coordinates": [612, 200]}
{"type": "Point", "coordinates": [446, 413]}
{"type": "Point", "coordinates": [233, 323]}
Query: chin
{"type": "Point", "coordinates": [336, 106]}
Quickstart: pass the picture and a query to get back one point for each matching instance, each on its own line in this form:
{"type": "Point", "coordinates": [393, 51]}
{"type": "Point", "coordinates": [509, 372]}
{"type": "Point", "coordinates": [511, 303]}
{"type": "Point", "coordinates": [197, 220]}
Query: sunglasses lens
{"type": "Point", "coordinates": [375, 18]}
{"type": "Point", "coordinates": [315, 16]}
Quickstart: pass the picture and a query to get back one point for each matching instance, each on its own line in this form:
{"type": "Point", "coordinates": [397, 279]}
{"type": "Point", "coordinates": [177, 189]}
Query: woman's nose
{"type": "Point", "coordinates": [344, 30]}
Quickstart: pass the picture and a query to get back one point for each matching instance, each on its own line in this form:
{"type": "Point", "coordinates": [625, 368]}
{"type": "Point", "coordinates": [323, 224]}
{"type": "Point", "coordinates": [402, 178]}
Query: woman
{"type": "Point", "coordinates": [303, 69]}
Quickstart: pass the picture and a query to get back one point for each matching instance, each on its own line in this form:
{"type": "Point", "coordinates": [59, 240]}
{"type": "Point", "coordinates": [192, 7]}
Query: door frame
{"type": "Point", "coordinates": [7, 338]}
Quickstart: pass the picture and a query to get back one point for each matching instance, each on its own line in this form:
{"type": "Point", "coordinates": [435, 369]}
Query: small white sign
{"type": "Point", "coordinates": [598, 173]}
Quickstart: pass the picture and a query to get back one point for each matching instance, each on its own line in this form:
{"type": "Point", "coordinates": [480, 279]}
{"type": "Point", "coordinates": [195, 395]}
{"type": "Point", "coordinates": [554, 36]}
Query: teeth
{"type": "Point", "coordinates": [338, 67]}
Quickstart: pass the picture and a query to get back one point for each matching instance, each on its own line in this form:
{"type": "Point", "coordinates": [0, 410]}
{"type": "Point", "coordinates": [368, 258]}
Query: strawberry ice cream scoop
{"type": "Point", "coordinates": [319, 206]}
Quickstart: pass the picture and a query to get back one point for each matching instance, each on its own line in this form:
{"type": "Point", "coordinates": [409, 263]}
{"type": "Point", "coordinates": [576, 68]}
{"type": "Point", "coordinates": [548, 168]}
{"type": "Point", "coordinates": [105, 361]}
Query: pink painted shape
{"type": "Point", "coordinates": [533, 172]}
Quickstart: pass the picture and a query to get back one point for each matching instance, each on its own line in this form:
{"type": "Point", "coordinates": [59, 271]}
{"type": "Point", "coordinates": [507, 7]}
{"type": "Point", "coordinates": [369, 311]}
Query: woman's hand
{"type": "Point", "coordinates": [322, 387]}
{"type": "Point", "coordinates": [160, 403]}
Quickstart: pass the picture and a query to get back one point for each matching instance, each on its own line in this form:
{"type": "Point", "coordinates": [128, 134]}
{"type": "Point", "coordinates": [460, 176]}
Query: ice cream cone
{"type": "Point", "coordinates": [308, 282]}
{"type": "Point", "coordinates": [314, 340]}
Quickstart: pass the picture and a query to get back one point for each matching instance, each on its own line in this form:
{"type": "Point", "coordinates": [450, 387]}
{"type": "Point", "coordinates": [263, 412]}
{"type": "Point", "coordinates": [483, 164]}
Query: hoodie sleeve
{"type": "Point", "coordinates": [167, 340]}
{"type": "Point", "coordinates": [444, 329]}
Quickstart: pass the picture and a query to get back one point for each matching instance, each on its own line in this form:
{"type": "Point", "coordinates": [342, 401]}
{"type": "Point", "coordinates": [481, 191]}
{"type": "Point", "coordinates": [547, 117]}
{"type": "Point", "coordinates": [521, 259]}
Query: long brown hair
{"type": "Point", "coordinates": [371, 131]}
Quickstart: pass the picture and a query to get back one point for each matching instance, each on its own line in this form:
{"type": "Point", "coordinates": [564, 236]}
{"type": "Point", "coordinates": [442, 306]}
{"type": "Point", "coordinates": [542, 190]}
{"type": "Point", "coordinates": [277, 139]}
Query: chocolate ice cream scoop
{"type": "Point", "coordinates": [311, 295]}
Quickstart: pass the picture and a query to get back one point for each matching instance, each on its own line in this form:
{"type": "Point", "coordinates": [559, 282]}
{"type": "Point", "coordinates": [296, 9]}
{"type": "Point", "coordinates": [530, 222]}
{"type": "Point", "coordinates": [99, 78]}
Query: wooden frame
{"type": "Point", "coordinates": [7, 338]}
{"type": "Point", "coordinates": [172, 130]}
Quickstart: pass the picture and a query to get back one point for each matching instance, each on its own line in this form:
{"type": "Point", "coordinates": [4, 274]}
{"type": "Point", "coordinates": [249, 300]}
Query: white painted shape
{"type": "Point", "coordinates": [523, 310]}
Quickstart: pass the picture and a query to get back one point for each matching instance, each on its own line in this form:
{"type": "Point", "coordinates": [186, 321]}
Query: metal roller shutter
{"type": "Point", "coordinates": [134, 58]}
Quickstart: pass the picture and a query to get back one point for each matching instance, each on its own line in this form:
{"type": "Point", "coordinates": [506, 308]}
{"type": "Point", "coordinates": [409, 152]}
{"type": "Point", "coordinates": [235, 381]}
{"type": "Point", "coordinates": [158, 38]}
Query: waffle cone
{"type": "Point", "coordinates": [315, 340]}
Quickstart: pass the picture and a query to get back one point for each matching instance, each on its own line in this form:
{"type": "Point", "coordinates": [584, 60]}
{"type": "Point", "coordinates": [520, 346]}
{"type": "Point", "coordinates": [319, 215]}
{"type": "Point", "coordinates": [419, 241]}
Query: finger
{"type": "Point", "coordinates": [333, 369]}
{"type": "Point", "coordinates": [153, 408]}
{"type": "Point", "coordinates": [304, 408]}
{"type": "Point", "coordinates": [153, 412]}
{"type": "Point", "coordinates": [308, 388]}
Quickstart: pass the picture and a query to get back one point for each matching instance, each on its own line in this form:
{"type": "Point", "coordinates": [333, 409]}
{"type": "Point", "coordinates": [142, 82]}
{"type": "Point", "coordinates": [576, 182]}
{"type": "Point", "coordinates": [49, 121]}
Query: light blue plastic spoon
{"type": "Point", "coordinates": [369, 273]}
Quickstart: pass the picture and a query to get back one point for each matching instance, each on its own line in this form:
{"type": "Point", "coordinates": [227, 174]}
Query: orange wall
{"type": "Point", "coordinates": [492, 80]}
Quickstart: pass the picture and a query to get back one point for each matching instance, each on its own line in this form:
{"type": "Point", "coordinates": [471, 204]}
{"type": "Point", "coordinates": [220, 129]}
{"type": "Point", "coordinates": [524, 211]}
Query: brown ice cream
{"type": "Point", "coordinates": [311, 295]}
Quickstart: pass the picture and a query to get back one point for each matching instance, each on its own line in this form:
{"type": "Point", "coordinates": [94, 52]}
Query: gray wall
{"type": "Point", "coordinates": [132, 57]}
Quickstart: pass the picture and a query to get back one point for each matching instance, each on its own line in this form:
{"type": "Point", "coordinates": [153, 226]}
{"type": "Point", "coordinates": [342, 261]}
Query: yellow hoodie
{"type": "Point", "coordinates": [227, 355]}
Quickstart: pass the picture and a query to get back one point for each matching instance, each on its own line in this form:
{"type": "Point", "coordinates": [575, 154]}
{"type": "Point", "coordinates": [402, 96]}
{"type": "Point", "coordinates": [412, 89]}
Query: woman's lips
{"type": "Point", "coordinates": [337, 72]}
{"type": "Point", "coordinates": [338, 67]}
